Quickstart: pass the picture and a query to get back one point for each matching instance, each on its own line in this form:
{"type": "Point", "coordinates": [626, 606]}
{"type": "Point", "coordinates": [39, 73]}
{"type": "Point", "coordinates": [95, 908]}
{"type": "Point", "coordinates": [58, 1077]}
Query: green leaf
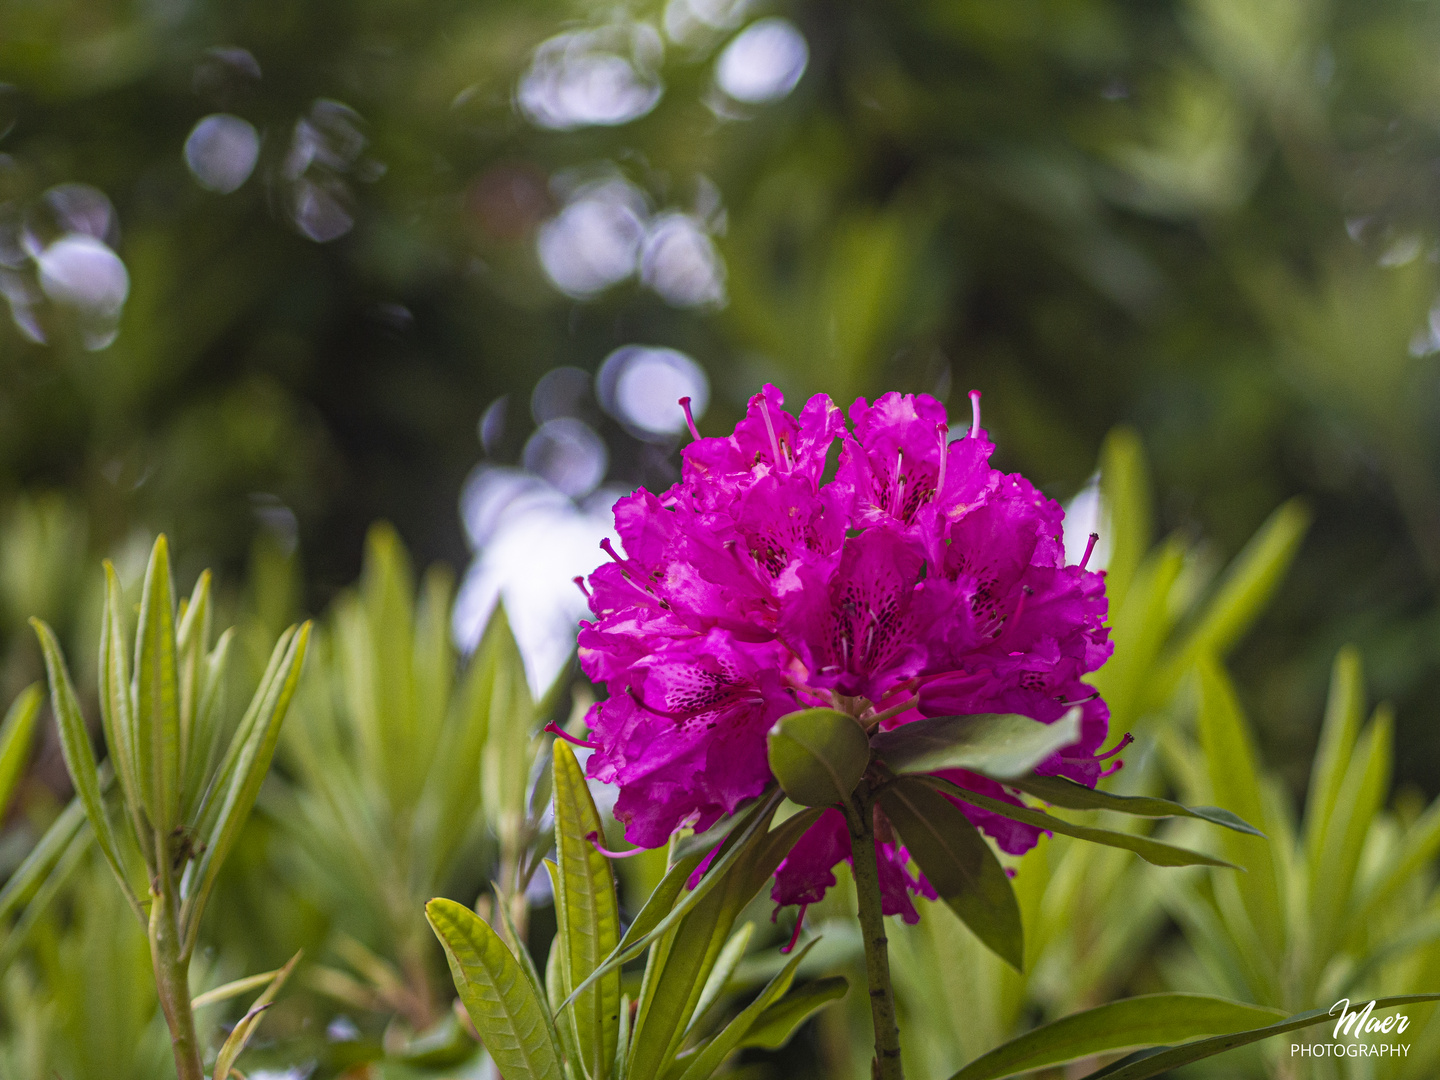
{"type": "Point", "coordinates": [240, 1034]}
{"type": "Point", "coordinates": [818, 755]}
{"type": "Point", "coordinates": [42, 877]}
{"type": "Point", "coordinates": [1059, 791]}
{"type": "Point", "coordinates": [1344, 713]}
{"type": "Point", "coordinates": [499, 997]}
{"type": "Point", "coordinates": [17, 735]}
{"type": "Point", "coordinates": [1148, 1020]}
{"type": "Point", "coordinates": [713, 1053]}
{"type": "Point", "coordinates": [117, 702]}
{"type": "Point", "coordinates": [1125, 500]}
{"type": "Point", "coordinates": [1152, 851]}
{"type": "Point", "coordinates": [35, 869]}
{"type": "Point", "coordinates": [1361, 796]}
{"type": "Point", "coordinates": [959, 864]}
{"type": "Point", "coordinates": [684, 960]}
{"type": "Point", "coordinates": [1234, 774]}
{"type": "Point", "coordinates": [1241, 595]}
{"type": "Point", "coordinates": [192, 638]}
{"type": "Point", "coordinates": [998, 744]}
{"type": "Point", "coordinates": [243, 771]}
{"type": "Point", "coordinates": [587, 910]}
{"type": "Point", "coordinates": [774, 1027]}
{"type": "Point", "coordinates": [719, 978]}
{"type": "Point", "coordinates": [658, 915]}
{"type": "Point", "coordinates": [505, 765]}
{"type": "Point", "coordinates": [80, 758]}
{"type": "Point", "coordinates": [1156, 1062]}
{"type": "Point", "coordinates": [157, 703]}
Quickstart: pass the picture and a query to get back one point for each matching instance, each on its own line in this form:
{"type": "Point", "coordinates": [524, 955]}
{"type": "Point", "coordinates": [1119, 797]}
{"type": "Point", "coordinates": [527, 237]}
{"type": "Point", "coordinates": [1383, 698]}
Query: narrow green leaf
{"type": "Point", "coordinates": [505, 766]}
{"type": "Point", "coordinates": [527, 965]}
{"type": "Point", "coordinates": [1233, 769]}
{"type": "Point", "coordinates": [774, 1027]}
{"type": "Point", "coordinates": [157, 702]}
{"type": "Point", "coordinates": [80, 758]}
{"type": "Point", "coordinates": [1344, 713]}
{"type": "Point", "coordinates": [997, 744]}
{"type": "Point", "coordinates": [959, 864]}
{"type": "Point", "coordinates": [690, 953]}
{"type": "Point", "coordinates": [232, 989]}
{"type": "Point", "coordinates": [1361, 795]}
{"type": "Point", "coordinates": [1149, 1020]}
{"type": "Point", "coordinates": [713, 1053]}
{"type": "Point", "coordinates": [1125, 502]}
{"type": "Point", "coordinates": [725, 965]}
{"type": "Point", "coordinates": [242, 773]}
{"type": "Point", "coordinates": [1241, 595]}
{"type": "Point", "coordinates": [587, 908]}
{"type": "Point", "coordinates": [240, 1034]}
{"type": "Point", "coordinates": [207, 728]}
{"type": "Point", "coordinates": [192, 639]}
{"type": "Point", "coordinates": [1059, 791]}
{"type": "Point", "coordinates": [499, 997]}
{"type": "Point", "coordinates": [17, 736]}
{"type": "Point", "coordinates": [1154, 1063]}
{"type": "Point", "coordinates": [1152, 851]}
{"type": "Point", "coordinates": [41, 881]}
{"type": "Point", "coordinates": [818, 755]}
{"type": "Point", "coordinates": [656, 918]}
{"type": "Point", "coordinates": [117, 702]}
{"type": "Point", "coordinates": [36, 867]}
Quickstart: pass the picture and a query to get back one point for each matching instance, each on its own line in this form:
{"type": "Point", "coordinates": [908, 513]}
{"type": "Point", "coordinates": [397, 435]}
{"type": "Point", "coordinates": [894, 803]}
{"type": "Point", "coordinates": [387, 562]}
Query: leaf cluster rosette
{"type": "Point", "coordinates": [902, 580]}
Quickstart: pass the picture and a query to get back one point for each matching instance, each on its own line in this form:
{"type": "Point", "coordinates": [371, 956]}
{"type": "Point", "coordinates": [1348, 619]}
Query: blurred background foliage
{"type": "Point", "coordinates": [275, 272]}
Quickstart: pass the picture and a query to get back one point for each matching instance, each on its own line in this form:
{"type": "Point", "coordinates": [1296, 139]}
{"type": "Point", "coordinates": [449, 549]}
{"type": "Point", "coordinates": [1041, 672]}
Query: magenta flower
{"type": "Point", "coordinates": [917, 582]}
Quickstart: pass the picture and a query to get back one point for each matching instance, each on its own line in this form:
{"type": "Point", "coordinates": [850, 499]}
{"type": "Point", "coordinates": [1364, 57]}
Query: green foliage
{"type": "Point", "coordinates": [383, 805]}
{"type": "Point", "coordinates": [818, 756]}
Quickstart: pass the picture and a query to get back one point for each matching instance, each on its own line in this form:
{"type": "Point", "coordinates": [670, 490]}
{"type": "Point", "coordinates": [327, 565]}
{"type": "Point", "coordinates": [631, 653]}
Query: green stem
{"type": "Point", "coordinates": [172, 980]}
{"type": "Point", "coordinates": [861, 817]}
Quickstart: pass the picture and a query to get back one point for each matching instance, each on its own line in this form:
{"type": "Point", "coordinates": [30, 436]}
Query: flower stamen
{"type": "Point", "coordinates": [555, 729]}
{"type": "Point", "coordinates": [689, 418]}
{"type": "Point", "coordinates": [1089, 547]}
{"type": "Point", "coordinates": [594, 838]}
{"type": "Point", "coordinates": [795, 937]}
{"type": "Point", "coordinates": [974, 414]}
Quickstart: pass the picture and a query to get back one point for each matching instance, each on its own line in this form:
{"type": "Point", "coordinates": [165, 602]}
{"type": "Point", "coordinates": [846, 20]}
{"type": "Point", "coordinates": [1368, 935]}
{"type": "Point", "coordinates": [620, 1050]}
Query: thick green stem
{"type": "Point", "coordinates": [172, 980]}
{"type": "Point", "coordinates": [861, 816]}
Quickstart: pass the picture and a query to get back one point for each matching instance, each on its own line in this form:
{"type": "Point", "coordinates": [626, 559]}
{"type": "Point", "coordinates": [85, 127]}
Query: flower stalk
{"type": "Point", "coordinates": [860, 814]}
{"type": "Point", "coordinates": [172, 981]}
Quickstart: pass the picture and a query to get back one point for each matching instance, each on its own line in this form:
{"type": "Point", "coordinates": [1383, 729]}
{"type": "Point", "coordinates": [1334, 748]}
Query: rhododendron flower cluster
{"type": "Point", "coordinates": [917, 581]}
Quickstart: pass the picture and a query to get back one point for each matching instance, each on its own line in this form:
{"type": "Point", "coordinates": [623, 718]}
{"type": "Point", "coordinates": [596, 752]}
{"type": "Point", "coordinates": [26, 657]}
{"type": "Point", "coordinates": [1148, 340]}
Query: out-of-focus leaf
{"type": "Point", "coordinates": [80, 758]}
{"type": "Point", "coordinates": [1150, 1063]}
{"type": "Point", "coordinates": [959, 864]}
{"type": "Point", "coordinates": [243, 771]}
{"type": "Point", "coordinates": [1240, 596]}
{"type": "Point", "coordinates": [774, 1027]}
{"type": "Point", "coordinates": [42, 876]}
{"type": "Point", "coordinates": [998, 744]}
{"type": "Point", "coordinates": [1118, 1025]}
{"type": "Point", "coordinates": [587, 911]}
{"type": "Point", "coordinates": [17, 735]}
{"type": "Point", "coordinates": [1234, 774]}
{"type": "Point", "coordinates": [1152, 851]}
{"type": "Point", "coordinates": [712, 1054]}
{"type": "Point", "coordinates": [1344, 713]}
{"type": "Point", "coordinates": [498, 996]}
{"type": "Point", "coordinates": [157, 690]}
{"type": "Point", "coordinates": [241, 1032]}
{"type": "Point", "coordinates": [192, 639]}
{"type": "Point", "coordinates": [1059, 791]}
{"type": "Point", "coordinates": [818, 755]}
{"type": "Point", "coordinates": [1361, 795]}
{"type": "Point", "coordinates": [1125, 496]}
{"type": "Point", "coordinates": [506, 758]}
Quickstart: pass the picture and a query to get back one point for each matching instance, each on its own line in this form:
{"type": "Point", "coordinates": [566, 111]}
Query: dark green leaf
{"type": "Point", "coordinates": [774, 1027]}
{"type": "Point", "coordinates": [998, 744]}
{"type": "Point", "coordinates": [1152, 851]}
{"type": "Point", "coordinates": [818, 755]}
{"type": "Point", "coordinates": [500, 999]}
{"type": "Point", "coordinates": [959, 864]}
{"type": "Point", "coordinates": [1059, 791]}
{"type": "Point", "coordinates": [1156, 1062]}
{"type": "Point", "coordinates": [1118, 1025]}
